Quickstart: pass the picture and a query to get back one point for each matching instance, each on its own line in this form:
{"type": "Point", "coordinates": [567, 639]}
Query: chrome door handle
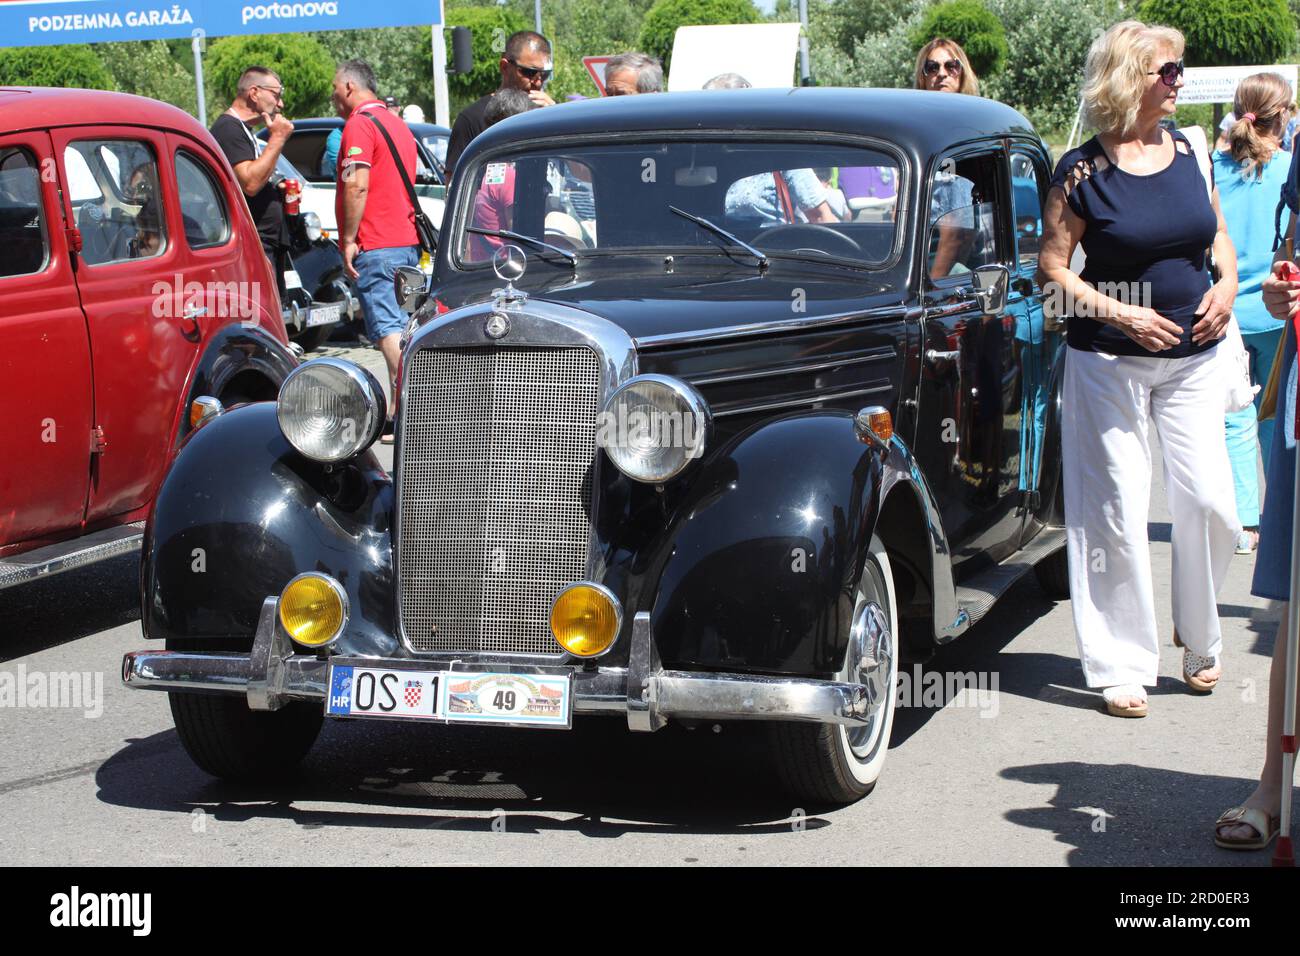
{"type": "Point", "coordinates": [195, 311]}
{"type": "Point", "coordinates": [935, 357]}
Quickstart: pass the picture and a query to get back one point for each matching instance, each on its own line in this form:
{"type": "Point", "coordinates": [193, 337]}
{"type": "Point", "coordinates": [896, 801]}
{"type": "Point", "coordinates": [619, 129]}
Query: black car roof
{"type": "Point", "coordinates": [920, 121]}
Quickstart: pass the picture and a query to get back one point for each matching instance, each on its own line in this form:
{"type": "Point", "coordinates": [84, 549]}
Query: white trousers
{"type": "Point", "coordinates": [1109, 403]}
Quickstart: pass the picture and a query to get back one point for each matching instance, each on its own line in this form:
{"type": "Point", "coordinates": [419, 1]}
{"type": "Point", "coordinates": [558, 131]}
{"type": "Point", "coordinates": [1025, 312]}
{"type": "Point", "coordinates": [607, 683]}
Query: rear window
{"type": "Point", "coordinates": [803, 199]}
{"type": "Point", "coordinates": [22, 221]}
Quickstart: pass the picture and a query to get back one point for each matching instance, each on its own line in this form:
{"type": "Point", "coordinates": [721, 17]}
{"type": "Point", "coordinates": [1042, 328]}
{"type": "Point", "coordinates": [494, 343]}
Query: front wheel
{"type": "Point", "coordinates": [832, 763]}
{"type": "Point", "coordinates": [228, 740]}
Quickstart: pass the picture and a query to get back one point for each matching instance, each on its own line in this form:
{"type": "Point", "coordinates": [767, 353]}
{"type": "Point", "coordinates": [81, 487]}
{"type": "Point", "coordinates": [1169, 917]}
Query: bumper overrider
{"type": "Point", "coordinates": [274, 673]}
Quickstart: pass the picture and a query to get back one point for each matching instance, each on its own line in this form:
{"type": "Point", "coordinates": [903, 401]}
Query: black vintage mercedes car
{"type": "Point", "coordinates": [718, 407]}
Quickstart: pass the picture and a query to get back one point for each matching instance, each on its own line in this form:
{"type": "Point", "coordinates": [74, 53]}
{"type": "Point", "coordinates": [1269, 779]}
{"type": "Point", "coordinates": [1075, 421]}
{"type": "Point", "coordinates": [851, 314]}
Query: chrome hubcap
{"type": "Point", "coordinates": [871, 664]}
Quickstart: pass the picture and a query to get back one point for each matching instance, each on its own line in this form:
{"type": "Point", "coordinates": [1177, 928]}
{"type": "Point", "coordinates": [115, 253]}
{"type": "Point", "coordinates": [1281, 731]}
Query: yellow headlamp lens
{"type": "Point", "coordinates": [585, 620]}
{"type": "Point", "coordinates": [312, 610]}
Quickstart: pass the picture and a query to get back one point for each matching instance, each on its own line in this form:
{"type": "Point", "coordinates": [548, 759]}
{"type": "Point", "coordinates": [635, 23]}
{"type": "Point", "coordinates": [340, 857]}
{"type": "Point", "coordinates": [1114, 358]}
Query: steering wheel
{"type": "Point", "coordinates": [803, 229]}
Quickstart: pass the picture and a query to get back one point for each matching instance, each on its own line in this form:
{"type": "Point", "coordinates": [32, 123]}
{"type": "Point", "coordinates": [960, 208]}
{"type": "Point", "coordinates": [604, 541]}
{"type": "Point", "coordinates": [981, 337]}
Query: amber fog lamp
{"type": "Point", "coordinates": [585, 619]}
{"type": "Point", "coordinates": [874, 424]}
{"type": "Point", "coordinates": [313, 610]}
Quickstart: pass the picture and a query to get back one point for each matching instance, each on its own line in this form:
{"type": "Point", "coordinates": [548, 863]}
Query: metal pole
{"type": "Point", "coordinates": [537, 15]}
{"type": "Point", "coordinates": [196, 44]}
{"type": "Point", "coordinates": [805, 73]}
{"type": "Point", "coordinates": [1284, 852]}
{"type": "Point", "coordinates": [1078, 122]}
{"type": "Point", "coordinates": [441, 103]}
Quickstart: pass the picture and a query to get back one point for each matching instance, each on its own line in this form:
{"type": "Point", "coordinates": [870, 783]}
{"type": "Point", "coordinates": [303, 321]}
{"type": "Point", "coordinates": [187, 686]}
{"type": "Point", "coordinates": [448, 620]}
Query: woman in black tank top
{"type": "Point", "coordinates": [1144, 319]}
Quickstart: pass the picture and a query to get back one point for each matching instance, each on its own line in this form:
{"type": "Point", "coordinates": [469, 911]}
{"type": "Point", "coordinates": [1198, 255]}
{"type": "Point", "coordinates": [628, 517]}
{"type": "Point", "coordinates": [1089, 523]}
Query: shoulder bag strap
{"type": "Point", "coordinates": [397, 160]}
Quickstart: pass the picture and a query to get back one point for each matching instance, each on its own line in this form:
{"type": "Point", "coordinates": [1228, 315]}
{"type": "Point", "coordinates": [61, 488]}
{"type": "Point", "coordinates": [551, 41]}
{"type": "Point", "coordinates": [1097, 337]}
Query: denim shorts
{"type": "Point", "coordinates": [1273, 557]}
{"type": "Point", "coordinates": [375, 269]}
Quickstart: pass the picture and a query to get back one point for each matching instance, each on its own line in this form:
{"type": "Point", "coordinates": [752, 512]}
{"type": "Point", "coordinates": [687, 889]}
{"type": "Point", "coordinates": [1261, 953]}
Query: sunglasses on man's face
{"type": "Point", "coordinates": [932, 67]}
{"type": "Point", "coordinates": [531, 72]}
{"type": "Point", "coordinates": [1168, 72]}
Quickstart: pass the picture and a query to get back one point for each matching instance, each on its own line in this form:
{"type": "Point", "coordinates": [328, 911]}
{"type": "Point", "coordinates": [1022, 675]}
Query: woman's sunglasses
{"type": "Point", "coordinates": [1168, 73]}
{"type": "Point", "coordinates": [931, 67]}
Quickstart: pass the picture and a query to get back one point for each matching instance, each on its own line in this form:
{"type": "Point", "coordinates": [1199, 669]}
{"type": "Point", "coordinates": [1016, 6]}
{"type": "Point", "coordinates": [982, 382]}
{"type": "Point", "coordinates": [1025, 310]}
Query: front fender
{"type": "Point", "coordinates": [241, 513]}
{"type": "Point", "coordinates": [766, 549]}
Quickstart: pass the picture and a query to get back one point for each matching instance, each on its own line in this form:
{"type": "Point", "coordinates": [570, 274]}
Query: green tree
{"type": "Point", "coordinates": [971, 24]}
{"type": "Point", "coordinates": [402, 58]}
{"type": "Point", "coordinates": [1227, 32]}
{"type": "Point", "coordinates": [303, 65]}
{"type": "Point", "coordinates": [148, 68]}
{"type": "Point", "coordinates": [883, 59]}
{"type": "Point", "coordinates": [490, 27]}
{"type": "Point", "coordinates": [72, 66]}
{"type": "Point", "coordinates": [662, 20]}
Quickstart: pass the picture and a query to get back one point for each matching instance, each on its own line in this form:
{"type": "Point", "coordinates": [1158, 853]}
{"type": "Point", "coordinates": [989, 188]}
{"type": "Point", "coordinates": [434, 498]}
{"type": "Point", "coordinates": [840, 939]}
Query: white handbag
{"type": "Point", "coordinates": [1233, 357]}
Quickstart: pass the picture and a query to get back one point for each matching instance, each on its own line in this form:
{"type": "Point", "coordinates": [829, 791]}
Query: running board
{"type": "Point", "coordinates": [67, 555]}
{"type": "Point", "coordinates": [976, 596]}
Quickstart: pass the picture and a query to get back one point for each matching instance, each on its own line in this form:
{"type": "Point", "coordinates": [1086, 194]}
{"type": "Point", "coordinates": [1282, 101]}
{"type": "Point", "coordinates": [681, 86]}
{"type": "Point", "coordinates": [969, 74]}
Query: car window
{"type": "Point", "coordinates": [963, 215]}
{"type": "Point", "coordinates": [116, 202]}
{"type": "Point", "coordinates": [304, 149]}
{"type": "Point", "coordinates": [22, 221]}
{"type": "Point", "coordinates": [1027, 179]}
{"type": "Point", "coordinates": [808, 200]}
{"type": "Point", "coordinates": [202, 210]}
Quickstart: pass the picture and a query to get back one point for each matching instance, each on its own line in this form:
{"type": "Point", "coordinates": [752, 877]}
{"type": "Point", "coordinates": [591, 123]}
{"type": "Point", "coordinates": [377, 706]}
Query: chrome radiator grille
{"type": "Point", "coordinates": [497, 452]}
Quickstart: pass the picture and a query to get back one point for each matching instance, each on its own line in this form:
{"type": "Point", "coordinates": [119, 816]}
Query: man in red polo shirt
{"type": "Point", "coordinates": [374, 212]}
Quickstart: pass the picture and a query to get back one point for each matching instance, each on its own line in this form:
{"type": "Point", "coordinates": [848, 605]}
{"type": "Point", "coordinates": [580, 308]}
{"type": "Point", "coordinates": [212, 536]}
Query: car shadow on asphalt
{"type": "Point", "coordinates": [69, 606]}
{"type": "Point", "coordinates": [1126, 815]}
{"type": "Point", "coordinates": [599, 780]}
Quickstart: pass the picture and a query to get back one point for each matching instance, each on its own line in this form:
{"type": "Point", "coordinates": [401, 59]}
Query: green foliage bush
{"type": "Point", "coordinates": [73, 66]}
{"type": "Point", "coordinates": [971, 24]}
{"type": "Point", "coordinates": [661, 22]}
{"type": "Point", "coordinates": [402, 58]}
{"type": "Point", "coordinates": [1227, 32]}
{"type": "Point", "coordinates": [490, 27]}
{"type": "Point", "coordinates": [303, 65]}
{"type": "Point", "coordinates": [148, 68]}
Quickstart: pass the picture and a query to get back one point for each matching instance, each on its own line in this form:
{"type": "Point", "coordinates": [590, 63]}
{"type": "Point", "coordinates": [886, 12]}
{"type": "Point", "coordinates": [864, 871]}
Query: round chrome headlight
{"type": "Point", "coordinates": [653, 426]}
{"type": "Point", "coordinates": [331, 410]}
{"type": "Point", "coordinates": [311, 224]}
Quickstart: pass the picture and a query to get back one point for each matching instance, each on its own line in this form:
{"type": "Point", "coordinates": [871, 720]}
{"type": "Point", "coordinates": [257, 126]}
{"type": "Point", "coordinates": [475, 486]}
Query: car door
{"type": "Point", "coordinates": [121, 194]}
{"type": "Point", "coordinates": [1035, 346]}
{"type": "Point", "coordinates": [45, 374]}
{"type": "Point", "coordinates": [968, 414]}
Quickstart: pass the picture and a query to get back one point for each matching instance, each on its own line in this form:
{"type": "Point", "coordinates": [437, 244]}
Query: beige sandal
{"type": "Point", "coordinates": [1193, 664]}
{"type": "Point", "coordinates": [1133, 691]}
{"type": "Point", "coordinates": [1253, 817]}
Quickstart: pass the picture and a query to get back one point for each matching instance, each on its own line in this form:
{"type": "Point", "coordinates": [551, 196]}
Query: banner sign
{"type": "Point", "coordinates": [44, 22]}
{"type": "Point", "coordinates": [1218, 84]}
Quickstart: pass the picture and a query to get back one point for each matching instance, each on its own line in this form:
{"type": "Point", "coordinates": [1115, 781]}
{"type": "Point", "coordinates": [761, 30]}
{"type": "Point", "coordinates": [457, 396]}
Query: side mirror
{"type": "Point", "coordinates": [991, 286]}
{"type": "Point", "coordinates": [411, 288]}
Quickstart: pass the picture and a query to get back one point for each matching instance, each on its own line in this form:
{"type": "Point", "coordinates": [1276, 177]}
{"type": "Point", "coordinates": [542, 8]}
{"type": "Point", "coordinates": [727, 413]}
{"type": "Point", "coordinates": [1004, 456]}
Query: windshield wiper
{"type": "Point", "coordinates": [520, 237]}
{"type": "Point", "coordinates": [719, 231]}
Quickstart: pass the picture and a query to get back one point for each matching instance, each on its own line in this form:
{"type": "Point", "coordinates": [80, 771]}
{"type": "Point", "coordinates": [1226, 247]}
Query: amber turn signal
{"type": "Point", "coordinates": [874, 424]}
{"type": "Point", "coordinates": [585, 619]}
{"type": "Point", "coordinates": [313, 609]}
{"type": "Point", "coordinates": [204, 408]}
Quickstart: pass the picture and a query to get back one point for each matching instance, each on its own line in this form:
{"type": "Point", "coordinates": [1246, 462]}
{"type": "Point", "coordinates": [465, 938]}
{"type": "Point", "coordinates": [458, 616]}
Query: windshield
{"type": "Point", "coordinates": [813, 201]}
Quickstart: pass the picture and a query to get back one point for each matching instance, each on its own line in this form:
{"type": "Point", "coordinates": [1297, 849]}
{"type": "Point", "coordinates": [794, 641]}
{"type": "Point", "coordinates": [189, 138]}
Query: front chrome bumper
{"type": "Point", "coordinates": [272, 675]}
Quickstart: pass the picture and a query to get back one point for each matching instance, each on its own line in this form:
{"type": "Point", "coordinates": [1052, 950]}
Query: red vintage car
{"type": "Point", "coordinates": [132, 282]}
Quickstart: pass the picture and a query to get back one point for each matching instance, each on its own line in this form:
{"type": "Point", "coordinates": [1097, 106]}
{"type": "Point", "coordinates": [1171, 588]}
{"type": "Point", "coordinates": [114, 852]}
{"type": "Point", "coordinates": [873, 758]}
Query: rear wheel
{"type": "Point", "coordinates": [228, 740]}
{"type": "Point", "coordinates": [1053, 574]}
{"type": "Point", "coordinates": [832, 763]}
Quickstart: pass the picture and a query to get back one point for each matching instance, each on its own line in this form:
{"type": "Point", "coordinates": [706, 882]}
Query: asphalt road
{"type": "Point", "coordinates": [1034, 774]}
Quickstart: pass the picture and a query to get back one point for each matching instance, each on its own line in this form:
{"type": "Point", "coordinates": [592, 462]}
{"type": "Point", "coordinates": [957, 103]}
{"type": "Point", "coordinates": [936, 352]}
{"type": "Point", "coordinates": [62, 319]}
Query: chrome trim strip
{"type": "Point", "coordinates": [873, 355]}
{"type": "Point", "coordinates": [722, 411]}
{"type": "Point", "coordinates": [901, 312]}
{"type": "Point", "coordinates": [69, 555]}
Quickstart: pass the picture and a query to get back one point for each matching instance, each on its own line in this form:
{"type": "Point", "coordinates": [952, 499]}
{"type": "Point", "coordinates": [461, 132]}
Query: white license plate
{"type": "Point", "coordinates": [463, 697]}
{"type": "Point", "coordinates": [324, 315]}
{"type": "Point", "coordinates": [382, 692]}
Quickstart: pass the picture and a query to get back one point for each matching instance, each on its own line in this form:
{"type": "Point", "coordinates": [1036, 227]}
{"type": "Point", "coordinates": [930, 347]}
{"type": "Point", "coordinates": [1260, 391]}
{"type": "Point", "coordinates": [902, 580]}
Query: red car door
{"type": "Point", "coordinates": [45, 372]}
{"type": "Point", "coordinates": [120, 191]}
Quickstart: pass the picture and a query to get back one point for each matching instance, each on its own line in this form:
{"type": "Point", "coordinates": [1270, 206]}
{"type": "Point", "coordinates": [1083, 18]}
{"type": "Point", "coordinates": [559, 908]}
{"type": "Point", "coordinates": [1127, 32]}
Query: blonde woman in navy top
{"type": "Point", "coordinates": [1143, 324]}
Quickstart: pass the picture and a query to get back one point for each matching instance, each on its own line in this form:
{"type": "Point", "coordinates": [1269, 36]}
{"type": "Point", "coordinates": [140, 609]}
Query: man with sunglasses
{"type": "Point", "coordinates": [525, 65]}
{"type": "Point", "coordinates": [259, 101]}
